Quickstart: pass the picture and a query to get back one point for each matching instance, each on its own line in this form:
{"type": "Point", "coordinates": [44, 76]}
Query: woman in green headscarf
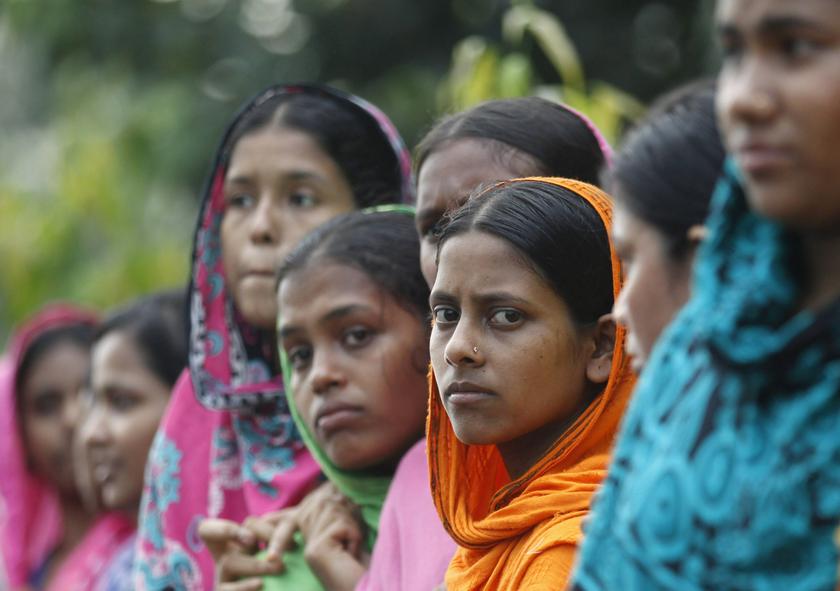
{"type": "Point", "coordinates": [353, 335]}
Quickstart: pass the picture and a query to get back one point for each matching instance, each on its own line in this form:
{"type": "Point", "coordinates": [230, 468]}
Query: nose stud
{"type": "Point", "coordinates": [475, 349]}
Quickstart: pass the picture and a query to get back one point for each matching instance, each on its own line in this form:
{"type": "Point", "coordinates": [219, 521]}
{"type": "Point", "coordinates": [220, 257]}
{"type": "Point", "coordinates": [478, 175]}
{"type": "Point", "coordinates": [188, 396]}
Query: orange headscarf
{"type": "Point", "coordinates": [523, 534]}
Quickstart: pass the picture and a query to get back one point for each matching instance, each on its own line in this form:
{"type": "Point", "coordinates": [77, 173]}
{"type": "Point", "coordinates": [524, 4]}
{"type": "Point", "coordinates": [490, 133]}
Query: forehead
{"type": "Point", "coordinates": [477, 260]}
{"type": "Point", "coordinates": [309, 293]}
{"type": "Point", "coordinates": [754, 13]}
{"type": "Point", "coordinates": [453, 171]}
{"type": "Point", "coordinates": [279, 146]}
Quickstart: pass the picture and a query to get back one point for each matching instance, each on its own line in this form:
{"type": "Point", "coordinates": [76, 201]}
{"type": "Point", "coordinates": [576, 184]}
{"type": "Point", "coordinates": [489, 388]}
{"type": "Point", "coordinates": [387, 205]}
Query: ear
{"type": "Point", "coordinates": [697, 234]}
{"type": "Point", "coordinates": [599, 364]}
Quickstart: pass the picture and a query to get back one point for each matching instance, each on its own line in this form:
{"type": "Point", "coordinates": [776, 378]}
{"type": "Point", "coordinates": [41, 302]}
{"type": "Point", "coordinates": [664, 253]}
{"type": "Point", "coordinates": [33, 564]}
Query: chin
{"type": "Point", "coordinates": [471, 436]}
{"type": "Point", "coordinates": [257, 315]}
{"type": "Point", "coordinates": [781, 202]}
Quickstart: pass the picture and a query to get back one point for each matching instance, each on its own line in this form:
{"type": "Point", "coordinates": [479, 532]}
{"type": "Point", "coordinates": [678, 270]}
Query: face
{"type": "Point", "coordinates": [49, 412]}
{"type": "Point", "coordinates": [447, 178]}
{"type": "Point", "coordinates": [655, 286]}
{"type": "Point", "coordinates": [280, 185]}
{"type": "Point", "coordinates": [358, 365]}
{"type": "Point", "coordinates": [511, 366]}
{"type": "Point", "coordinates": [126, 403]}
{"type": "Point", "coordinates": [778, 106]}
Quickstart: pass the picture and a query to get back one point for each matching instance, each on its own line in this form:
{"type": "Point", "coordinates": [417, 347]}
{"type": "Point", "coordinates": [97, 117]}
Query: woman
{"type": "Point", "coordinates": [726, 471]}
{"type": "Point", "coordinates": [529, 379]}
{"type": "Point", "coordinates": [138, 354]}
{"type": "Point", "coordinates": [495, 141]}
{"type": "Point", "coordinates": [227, 448]}
{"type": "Point", "coordinates": [662, 180]}
{"type": "Point", "coordinates": [47, 531]}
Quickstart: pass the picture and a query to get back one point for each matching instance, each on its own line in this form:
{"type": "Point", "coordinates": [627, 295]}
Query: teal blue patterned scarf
{"type": "Point", "coordinates": [726, 474]}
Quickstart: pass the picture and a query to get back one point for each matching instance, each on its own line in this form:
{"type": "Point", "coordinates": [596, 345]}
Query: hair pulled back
{"type": "Point", "coordinates": [555, 230]}
{"type": "Point", "coordinates": [668, 167]}
{"type": "Point", "coordinates": [558, 139]}
{"type": "Point", "coordinates": [382, 245]}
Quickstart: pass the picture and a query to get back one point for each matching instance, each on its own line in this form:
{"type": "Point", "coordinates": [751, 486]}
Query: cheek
{"type": "Point", "coordinates": [303, 404]}
{"type": "Point", "coordinates": [437, 350]}
{"type": "Point", "coordinates": [230, 245]}
{"type": "Point", "coordinates": [427, 261]}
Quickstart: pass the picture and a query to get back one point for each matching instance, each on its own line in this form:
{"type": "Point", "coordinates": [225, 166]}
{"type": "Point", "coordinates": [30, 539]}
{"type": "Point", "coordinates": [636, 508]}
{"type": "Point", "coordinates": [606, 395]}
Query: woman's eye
{"type": "Point", "coordinates": [731, 51]}
{"type": "Point", "coordinates": [299, 356]}
{"type": "Point", "coordinates": [302, 199]}
{"type": "Point", "coordinates": [431, 232]}
{"type": "Point", "coordinates": [48, 404]}
{"type": "Point", "coordinates": [122, 402]}
{"type": "Point", "coordinates": [445, 315]}
{"type": "Point", "coordinates": [241, 201]}
{"type": "Point", "coordinates": [797, 47]}
{"type": "Point", "coordinates": [506, 317]}
{"type": "Point", "coordinates": [357, 336]}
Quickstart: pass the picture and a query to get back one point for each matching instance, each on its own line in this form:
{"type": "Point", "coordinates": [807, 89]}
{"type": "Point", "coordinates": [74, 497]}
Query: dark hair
{"type": "Point", "coordinates": [158, 325]}
{"type": "Point", "coordinates": [345, 131]}
{"type": "Point", "coordinates": [559, 140]}
{"type": "Point", "coordinates": [81, 334]}
{"type": "Point", "coordinates": [668, 166]}
{"type": "Point", "coordinates": [556, 231]}
{"type": "Point", "coordinates": [382, 245]}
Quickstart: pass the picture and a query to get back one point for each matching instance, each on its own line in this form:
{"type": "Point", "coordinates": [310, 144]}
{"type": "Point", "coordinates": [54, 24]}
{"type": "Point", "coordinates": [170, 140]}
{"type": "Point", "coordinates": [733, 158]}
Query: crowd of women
{"type": "Point", "coordinates": [523, 363]}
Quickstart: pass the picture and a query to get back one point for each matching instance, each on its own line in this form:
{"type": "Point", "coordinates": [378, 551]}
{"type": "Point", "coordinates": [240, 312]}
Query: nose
{"type": "Point", "coordinates": [94, 428]}
{"type": "Point", "coordinates": [747, 94]}
{"type": "Point", "coordinates": [463, 347]}
{"type": "Point", "coordinates": [71, 411]}
{"type": "Point", "coordinates": [265, 221]}
{"type": "Point", "coordinates": [620, 309]}
{"type": "Point", "coordinates": [327, 373]}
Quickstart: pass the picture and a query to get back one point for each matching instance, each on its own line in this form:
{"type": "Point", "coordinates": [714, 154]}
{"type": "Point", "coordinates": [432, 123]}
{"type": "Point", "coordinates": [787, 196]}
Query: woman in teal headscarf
{"type": "Point", "coordinates": [727, 471]}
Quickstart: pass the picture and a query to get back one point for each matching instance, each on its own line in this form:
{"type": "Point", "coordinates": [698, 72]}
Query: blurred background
{"type": "Point", "coordinates": [110, 111]}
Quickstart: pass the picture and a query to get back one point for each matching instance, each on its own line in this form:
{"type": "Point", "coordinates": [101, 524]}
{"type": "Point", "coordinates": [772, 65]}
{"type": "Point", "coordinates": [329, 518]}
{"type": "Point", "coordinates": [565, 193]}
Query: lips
{"type": "Point", "coordinates": [337, 416]}
{"type": "Point", "coordinates": [466, 393]}
{"type": "Point", "coordinates": [761, 159]}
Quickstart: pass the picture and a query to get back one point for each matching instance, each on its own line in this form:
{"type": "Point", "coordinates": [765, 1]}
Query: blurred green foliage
{"type": "Point", "coordinates": [110, 111]}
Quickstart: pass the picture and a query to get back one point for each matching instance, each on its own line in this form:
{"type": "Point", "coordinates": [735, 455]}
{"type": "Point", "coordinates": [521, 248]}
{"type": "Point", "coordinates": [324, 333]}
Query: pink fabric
{"type": "Point", "coordinates": [412, 550]}
{"type": "Point", "coordinates": [30, 515]}
{"type": "Point", "coordinates": [205, 463]}
{"type": "Point", "coordinates": [90, 559]}
{"type": "Point", "coordinates": [606, 149]}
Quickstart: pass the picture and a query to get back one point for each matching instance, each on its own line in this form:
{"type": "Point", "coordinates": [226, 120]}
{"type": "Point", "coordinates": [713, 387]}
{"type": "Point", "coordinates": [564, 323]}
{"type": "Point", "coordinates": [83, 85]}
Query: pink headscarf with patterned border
{"type": "Point", "coordinates": [30, 515]}
{"type": "Point", "coordinates": [227, 446]}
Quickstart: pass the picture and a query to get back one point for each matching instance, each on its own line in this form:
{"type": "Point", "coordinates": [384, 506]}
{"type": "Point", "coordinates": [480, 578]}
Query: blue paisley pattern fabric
{"type": "Point", "coordinates": [726, 474]}
{"type": "Point", "coordinates": [160, 563]}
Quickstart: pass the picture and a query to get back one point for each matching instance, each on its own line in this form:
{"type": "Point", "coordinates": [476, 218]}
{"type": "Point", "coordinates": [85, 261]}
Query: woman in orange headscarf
{"type": "Point", "coordinates": [530, 379]}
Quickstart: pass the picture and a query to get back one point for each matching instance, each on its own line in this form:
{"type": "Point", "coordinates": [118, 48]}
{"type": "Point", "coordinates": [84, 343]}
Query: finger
{"type": "Point", "coordinates": [217, 534]}
{"type": "Point", "coordinates": [243, 585]}
{"type": "Point", "coordinates": [262, 529]}
{"type": "Point", "coordinates": [282, 539]}
{"type": "Point", "coordinates": [234, 566]}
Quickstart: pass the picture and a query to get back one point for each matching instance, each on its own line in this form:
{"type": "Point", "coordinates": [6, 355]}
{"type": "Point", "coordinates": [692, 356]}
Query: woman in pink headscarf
{"type": "Point", "coordinates": [49, 538]}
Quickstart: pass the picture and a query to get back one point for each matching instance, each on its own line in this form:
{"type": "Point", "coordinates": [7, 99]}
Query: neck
{"type": "Point", "coordinates": [822, 263]}
{"type": "Point", "coordinates": [520, 454]}
{"type": "Point", "coordinates": [77, 520]}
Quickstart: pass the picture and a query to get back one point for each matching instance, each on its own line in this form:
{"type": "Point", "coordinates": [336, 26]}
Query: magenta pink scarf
{"type": "Point", "coordinates": [88, 561]}
{"type": "Point", "coordinates": [30, 515]}
{"type": "Point", "coordinates": [227, 446]}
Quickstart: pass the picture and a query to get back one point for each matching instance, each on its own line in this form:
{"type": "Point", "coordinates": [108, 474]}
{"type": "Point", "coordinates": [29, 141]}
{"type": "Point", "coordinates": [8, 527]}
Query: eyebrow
{"type": "Point", "coordinates": [771, 25]}
{"type": "Point", "coordinates": [486, 299]}
{"type": "Point", "coordinates": [427, 216]}
{"type": "Point", "coordinates": [292, 175]}
{"type": "Point", "coordinates": [332, 315]}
